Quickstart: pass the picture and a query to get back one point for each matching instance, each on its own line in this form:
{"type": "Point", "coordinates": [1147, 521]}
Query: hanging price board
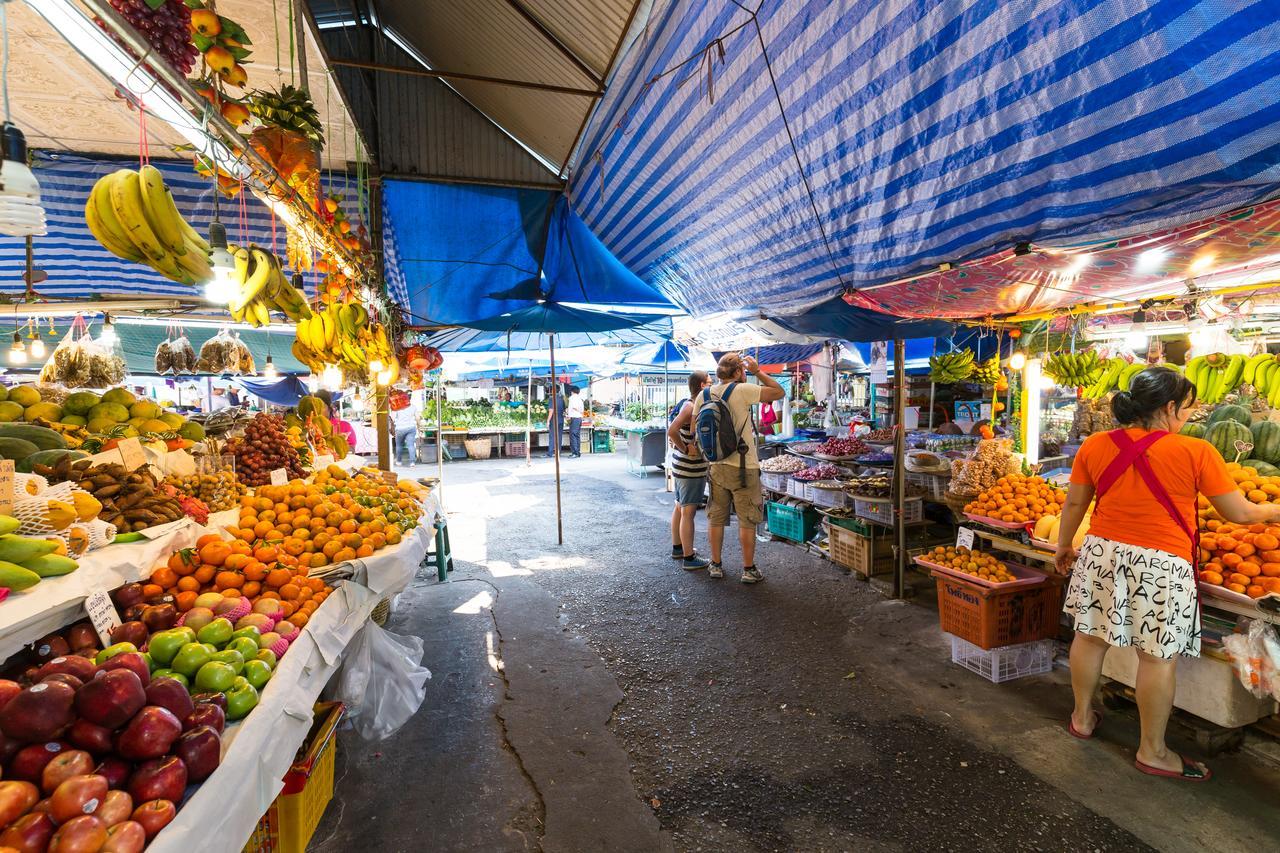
{"type": "Point", "coordinates": [279, 477]}
{"type": "Point", "coordinates": [964, 538]}
{"type": "Point", "coordinates": [6, 486]}
{"type": "Point", "coordinates": [103, 615]}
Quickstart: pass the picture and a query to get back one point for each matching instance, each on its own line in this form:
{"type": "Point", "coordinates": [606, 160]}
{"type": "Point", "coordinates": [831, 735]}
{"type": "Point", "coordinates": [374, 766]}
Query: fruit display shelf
{"type": "Point", "coordinates": [27, 616]}
{"type": "Point", "coordinates": [220, 816]}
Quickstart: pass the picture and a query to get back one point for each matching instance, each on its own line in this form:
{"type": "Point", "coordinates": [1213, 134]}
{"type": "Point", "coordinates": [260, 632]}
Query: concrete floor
{"type": "Point", "coordinates": [594, 697]}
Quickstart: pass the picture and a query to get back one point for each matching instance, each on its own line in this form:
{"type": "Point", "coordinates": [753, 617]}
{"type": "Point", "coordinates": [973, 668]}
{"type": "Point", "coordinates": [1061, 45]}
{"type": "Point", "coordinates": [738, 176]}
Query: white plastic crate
{"type": "Point", "coordinates": [796, 488]}
{"type": "Point", "coordinates": [830, 498]}
{"type": "Point", "coordinates": [932, 486]}
{"type": "Point", "coordinates": [881, 510]}
{"type": "Point", "coordinates": [774, 481]}
{"type": "Point", "coordinates": [1004, 663]}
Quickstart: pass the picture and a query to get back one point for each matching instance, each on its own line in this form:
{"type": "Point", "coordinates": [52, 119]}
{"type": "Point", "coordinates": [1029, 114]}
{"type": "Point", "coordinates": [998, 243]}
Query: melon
{"type": "Point", "coordinates": [1266, 441]}
{"type": "Point", "coordinates": [1224, 434]}
{"type": "Point", "coordinates": [1264, 469]}
{"type": "Point", "coordinates": [1193, 430]}
{"type": "Point", "coordinates": [145, 409]}
{"type": "Point", "coordinates": [80, 402]}
{"type": "Point", "coordinates": [1232, 412]}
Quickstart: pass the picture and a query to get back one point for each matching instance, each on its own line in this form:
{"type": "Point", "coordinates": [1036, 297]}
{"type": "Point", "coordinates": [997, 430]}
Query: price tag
{"type": "Point", "coordinates": [103, 615]}
{"type": "Point", "coordinates": [6, 486]}
{"type": "Point", "coordinates": [964, 538]}
{"type": "Point", "coordinates": [391, 477]}
{"type": "Point", "coordinates": [279, 477]}
{"type": "Point", "coordinates": [323, 461]}
{"type": "Point", "coordinates": [132, 453]}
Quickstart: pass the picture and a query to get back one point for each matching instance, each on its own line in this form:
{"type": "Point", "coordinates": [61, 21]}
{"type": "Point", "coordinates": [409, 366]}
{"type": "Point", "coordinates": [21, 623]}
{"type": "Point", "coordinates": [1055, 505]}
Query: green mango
{"type": "Point", "coordinates": [215, 677]}
{"type": "Point", "coordinates": [241, 700]}
{"type": "Point", "coordinates": [257, 673]}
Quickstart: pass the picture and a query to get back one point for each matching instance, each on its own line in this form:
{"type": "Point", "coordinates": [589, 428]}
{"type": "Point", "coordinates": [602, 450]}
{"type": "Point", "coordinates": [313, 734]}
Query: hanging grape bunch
{"type": "Point", "coordinates": [166, 25]}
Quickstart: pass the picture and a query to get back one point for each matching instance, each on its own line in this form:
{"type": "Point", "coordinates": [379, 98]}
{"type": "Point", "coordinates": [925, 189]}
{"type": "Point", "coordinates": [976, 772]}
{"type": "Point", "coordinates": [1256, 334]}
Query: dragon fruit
{"type": "Point", "coordinates": [195, 508]}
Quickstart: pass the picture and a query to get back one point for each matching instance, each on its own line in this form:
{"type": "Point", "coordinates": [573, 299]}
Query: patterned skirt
{"type": "Point", "coordinates": [1132, 596]}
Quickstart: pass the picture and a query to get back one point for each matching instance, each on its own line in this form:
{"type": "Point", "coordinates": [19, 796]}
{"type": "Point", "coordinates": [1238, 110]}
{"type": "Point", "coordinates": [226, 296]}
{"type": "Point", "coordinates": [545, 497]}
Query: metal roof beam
{"type": "Point", "coordinates": [456, 75]}
{"type": "Point", "coordinates": [552, 39]}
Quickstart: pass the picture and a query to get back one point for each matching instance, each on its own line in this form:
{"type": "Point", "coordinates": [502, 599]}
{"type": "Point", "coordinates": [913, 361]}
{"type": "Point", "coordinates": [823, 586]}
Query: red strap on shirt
{"type": "Point", "coordinates": [1133, 454]}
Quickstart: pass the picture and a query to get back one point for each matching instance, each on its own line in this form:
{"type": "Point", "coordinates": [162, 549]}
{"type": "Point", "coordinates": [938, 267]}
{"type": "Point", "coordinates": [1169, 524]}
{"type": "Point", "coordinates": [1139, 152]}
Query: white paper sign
{"type": "Point", "coordinates": [103, 615]}
{"type": "Point", "coordinates": [6, 486]}
{"type": "Point", "coordinates": [132, 453]}
{"type": "Point", "coordinates": [879, 362]}
{"type": "Point", "coordinates": [964, 538]}
{"type": "Point", "coordinates": [279, 477]}
{"type": "Point", "coordinates": [323, 461]}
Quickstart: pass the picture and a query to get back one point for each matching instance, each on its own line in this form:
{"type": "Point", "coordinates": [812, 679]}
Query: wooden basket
{"type": "Point", "coordinates": [957, 503]}
{"type": "Point", "coordinates": [479, 448]}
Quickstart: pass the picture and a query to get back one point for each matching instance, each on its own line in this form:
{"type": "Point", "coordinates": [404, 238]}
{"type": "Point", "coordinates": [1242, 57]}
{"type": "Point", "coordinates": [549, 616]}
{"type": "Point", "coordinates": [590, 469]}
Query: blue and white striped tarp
{"type": "Point", "coordinates": [79, 267]}
{"type": "Point", "coordinates": [769, 159]}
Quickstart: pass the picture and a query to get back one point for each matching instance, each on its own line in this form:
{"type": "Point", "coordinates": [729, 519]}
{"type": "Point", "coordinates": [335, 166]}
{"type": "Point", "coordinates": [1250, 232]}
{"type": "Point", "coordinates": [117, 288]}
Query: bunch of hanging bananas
{"type": "Point", "coordinates": [1074, 369]}
{"type": "Point", "coordinates": [1113, 373]}
{"type": "Point", "coordinates": [1216, 375]}
{"type": "Point", "coordinates": [133, 216]}
{"type": "Point", "coordinates": [987, 372]}
{"type": "Point", "coordinates": [1262, 371]}
{"type": "Point", "coordinates": [951, 367]}
{"type": "Point", "coordinates": [261, 288]}
{"type": "Point", "coordinates": [343, 335]}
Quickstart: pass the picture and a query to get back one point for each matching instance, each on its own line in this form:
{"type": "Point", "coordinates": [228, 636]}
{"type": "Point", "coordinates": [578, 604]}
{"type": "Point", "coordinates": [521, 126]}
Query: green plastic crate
{"type": "Point", "coordinates": [601, 441]}
{"type": "Point", "coordinates": [857, 525]}
{"type": "Point", "coordinates": [790, 522]}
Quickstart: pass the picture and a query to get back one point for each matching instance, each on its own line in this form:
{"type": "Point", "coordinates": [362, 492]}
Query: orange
{"type": "Point", "coordinates": [204, 574]}
{"type": "Point", "coordinates": [319, 560]}
{"type": "Point", "coordinates": [231, 592]}
{"type": "Point", "coordinates": [164, 576]}
{"type": "Point", "coordinates": [266, 554]}
{"type": "Point", "coordinates": [365, 550]}
{"type": "Point", "coordinates": [344, 554]}
{"type": "Point", "coordinates": [293, 547]}
{"type": "Point", "coordinates": [235, 561]}
{"type": "Point", "coordinates": [188, 584]}
{"type": "Point", "coordinates": [229, 580]}
{"type": "Point", "coordinates": [183, 562]}
{"type": "Point", "coordinates": [301, 619]}
{"type": "Point", "coordinates": [288, 607]}
{"type": "Point", "coordinates": [215, 553]}
{"type": "Point", "coordinates": [1255, 591]}
{"type": "Point", "coordinates": [289, 591]}
{"type": "Point", "coordinates": [1211, 577]}
{"type": "Point", "coordinates": [255, 570]}
{"type": "Point", "coordinates": [185, 600]}
{"type": "Point", "coordinates": [207, 538]}
{"type": "Point", "coordinates": [251, 589]}
{"type": "Point", "coordinates": [151, 590]}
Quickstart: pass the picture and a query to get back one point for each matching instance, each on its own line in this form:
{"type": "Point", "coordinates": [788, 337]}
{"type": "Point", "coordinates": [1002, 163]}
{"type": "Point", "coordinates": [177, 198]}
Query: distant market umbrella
{"type": "Point", "coordinates": [661, 355]}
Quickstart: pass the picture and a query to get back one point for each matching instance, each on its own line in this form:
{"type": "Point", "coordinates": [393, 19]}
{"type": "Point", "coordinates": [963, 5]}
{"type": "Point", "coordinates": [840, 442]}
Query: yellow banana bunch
{"type": "Point", "coordinates": [133, 216]}
{"type": "Point", "coordinates": [263, 288]}
{"type": "Point", "coordinates": [342, 335]}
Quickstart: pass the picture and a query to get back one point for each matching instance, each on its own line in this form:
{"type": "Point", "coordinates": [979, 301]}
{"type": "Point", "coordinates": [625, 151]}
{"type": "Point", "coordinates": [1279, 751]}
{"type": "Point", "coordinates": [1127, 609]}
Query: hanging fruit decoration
{"type": "Point", "coordinates": [164, 24]}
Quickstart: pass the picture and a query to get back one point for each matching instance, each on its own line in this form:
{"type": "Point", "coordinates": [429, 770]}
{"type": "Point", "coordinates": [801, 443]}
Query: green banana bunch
{"type": "Point", "coordinates": [951, 367]}
{"type": "Point", "coordinates": [1108, 376]}
{"type": "Point", "coordinates": [1075, 370]}
{"type": "Point", "coordinates": [987, 372]}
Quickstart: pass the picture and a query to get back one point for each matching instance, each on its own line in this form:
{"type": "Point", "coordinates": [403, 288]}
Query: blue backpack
{"type": "Point", "coordinates": [718, 437]}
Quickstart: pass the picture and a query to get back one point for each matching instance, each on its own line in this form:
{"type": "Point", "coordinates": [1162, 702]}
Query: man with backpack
{"type": "Point", "coordinates": [725, 432]}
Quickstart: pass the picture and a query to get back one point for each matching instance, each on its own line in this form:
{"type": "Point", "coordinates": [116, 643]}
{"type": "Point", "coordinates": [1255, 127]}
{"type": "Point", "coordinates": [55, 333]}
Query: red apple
{"type": "Point", "coordinates": [133, 613]}
{"type": "Point", "coordinates": [90, 736]}
{"type": "Point", "coordinates": [71, 762]}
{"type": "Point", "coordinates": [201, 750]}
{"type": "Point", "coordinates": [45, 806]}
{"type": "Point", "coordinates": [49, 647]}
{"type": "Point", "coordinates": [81, 668]}
{"type": "Point", "coordinates": [132, 661]}
{"type": "Point", "coordinates": [79, 795]}
{"type": "Point", "coordinates": [155, 816]}
{"type": "Point", "coordinates": [206, 715]}
{"type": "Point", "coordinates": [28, 764]}
{"type": "Point", "coordinates": [116, 807]}
{"type": "Point", "coordinates": [29, 833]}
{"type": "Point", "coordinates": [39, 712]}
{"type": "Point", "coordinates": [8, 749]}
{"type": "Point", "coordinates": [128, 595]}
{"type": "Point", "coordinates": [16, 799]}
{"type": "Point", "coordinates": [219, 699]}
{"type": "Point", "coordinates": [81, 635]}
{"type": "Point", "coordinates": [63, 678]}
{"type": "Point", "coordinates": [83, 834]}
{"type": "Point", "coordinates": [159, 617]}
{"type": "Point", "coordinates": [116, 771]}
{"type": "Point", "coordinates": [112, 698]}
{"type": "Point", "coordinates": [160, 779]}
{"type": "Point", "coordinates": [169, 693]}
{"type": "Point", "coordinates": [130, 632]}
{"type": "Point", "coordinates": [148, 735]}
{"type": "Point", "coordinates": [126, 837]}
{"type": "Point", "coordinates": [8, 689]}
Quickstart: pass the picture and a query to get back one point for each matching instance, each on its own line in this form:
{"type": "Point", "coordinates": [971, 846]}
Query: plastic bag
{"type": "Point", "coordinates": [79, 361]}
{"type": "Point", "coordinates": [382, 681]}
{"type": "Point", "coordinates": [1256, 658]}
{"type": "Point", "coordinates": [183, 354]}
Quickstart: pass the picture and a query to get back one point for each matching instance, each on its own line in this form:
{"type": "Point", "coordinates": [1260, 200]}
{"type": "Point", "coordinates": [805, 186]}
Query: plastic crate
{"type": "Point", "coordinates": [514, 448]}
{"type": "Point", "coordinates": [796, 488]}
{"type": "Point", "coordinates": [857, 525]}
{"type": "Point", "coordinates": [292, 819]}
{"type": "Point", "coordinates": [601, 441]}
{"type": "Point", "coordinates": [880, 510]}
{"type": "Point", "coordinates": [853, 551]}
{"type": "Point", "coordinates": [829, 498]}
{"type": "Point", "coordinates": [1006, 662]}
{"type": "Point", "coordinates": [457, 448]}
{"type": "Point", "coordinates": [933, 486]}
{"type": "Point", "coordinates": [792, 522]}
{"type": "Point", "coordinates": [774, 482]}
{"type": "Point", "coordinates": [991, 617]}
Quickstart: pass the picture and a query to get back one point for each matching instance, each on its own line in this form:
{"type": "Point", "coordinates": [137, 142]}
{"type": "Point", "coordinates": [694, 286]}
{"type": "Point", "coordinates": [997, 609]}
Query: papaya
{"type": "Point", "coordinates": [16, 577]}
{"type": "Point", "coordinates": [120, 396]}
{"type": "Point", "coordinates": [191, 431]}
{"type": "Point", "coordinates": [24, 395]}
{"type": "Point", "coordinates": [42, 437]}
{"type": "Point", "coordinates": [47, 457]}
{"type": "Point", "coordinates": [80, 403]}
{"type": "Point", "coordinates": [16, 449]}
{"type": "Point", "coordinates": [51, 565]}
{"type": "Point", "coordinates": [10, 411]}
{"type": "Point", "coordinates": [43, 411]}
{"type": "Point", "coordinates": [19, 549]}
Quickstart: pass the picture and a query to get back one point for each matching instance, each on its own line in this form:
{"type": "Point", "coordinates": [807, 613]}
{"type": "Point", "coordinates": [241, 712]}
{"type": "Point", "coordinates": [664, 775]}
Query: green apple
{"type": "Point", "coordinates": [217, 632]}
{"type": "Point", "coordinates": [249, 631]}
{"type": "Point", "coordinates": [246, 646]}
{"type": "Point", "coordinates": [268, 656]}
{"type": "Point", "coordinates": [152, 665]}
{"type": "Point", "coordinates": [165, 644]}
{"type": "Point", "coordinates": [231, 658]}
{"type": "Point", "coordinates": [186, 631]}
{"type": "Point", "coordinates": [210, 647]}
{"type": "Point", "coordinates": [190, 658]}
{"type": "Point", "coordinates": [241, 700]}
{"type": "Point", "coordinates": [257, 673]}
{"type": "Point", "coordinates": [174, 674]}
{"type": "Point", "coordinates": [215, 677]}
{"type": "Point", "coordinates": [111, 651]}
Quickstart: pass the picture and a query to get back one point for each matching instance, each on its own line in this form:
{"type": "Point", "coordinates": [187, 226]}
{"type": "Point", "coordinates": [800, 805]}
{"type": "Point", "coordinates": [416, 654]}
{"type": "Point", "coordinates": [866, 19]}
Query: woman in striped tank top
{"type": "Point", "coordinates": [690, 472]}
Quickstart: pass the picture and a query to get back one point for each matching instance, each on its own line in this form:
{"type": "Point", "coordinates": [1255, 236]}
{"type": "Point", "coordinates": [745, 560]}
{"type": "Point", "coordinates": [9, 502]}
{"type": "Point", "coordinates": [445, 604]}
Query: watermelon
{"type": "Point", "coordinates": [1224, 434]}
{"type": "Point", "coordinates": [1266, 441]}
{"type": "Point", "coordinates": [1193, 430]}
{"type": "Point", "coordinates": [1231, 412]}
{"type": "Point", "coordinates": [1264, 469]}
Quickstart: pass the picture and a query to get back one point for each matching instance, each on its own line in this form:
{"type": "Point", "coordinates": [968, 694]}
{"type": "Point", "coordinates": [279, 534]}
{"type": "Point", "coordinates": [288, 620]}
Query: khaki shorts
{"type": "Point", "coordinates": [727, 490]}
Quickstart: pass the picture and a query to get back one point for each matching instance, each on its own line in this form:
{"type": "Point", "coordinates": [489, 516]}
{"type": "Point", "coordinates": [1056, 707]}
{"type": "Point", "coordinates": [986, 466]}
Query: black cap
{"type": "Point", "coordinates": [15, 144]}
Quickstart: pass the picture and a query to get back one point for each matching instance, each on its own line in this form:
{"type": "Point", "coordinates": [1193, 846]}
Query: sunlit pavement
{"type": "Point", "coordinates": [595, 697]}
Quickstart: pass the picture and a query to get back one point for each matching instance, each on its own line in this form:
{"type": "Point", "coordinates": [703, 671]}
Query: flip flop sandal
{"type": "Point", "coordinates": [1097, 721]}
{"type": "Point", "coordinates": [1190, 772]}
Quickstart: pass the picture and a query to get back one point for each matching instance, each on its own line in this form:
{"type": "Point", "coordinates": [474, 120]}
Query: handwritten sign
{"type": "Point", "coordinates": [132, 453]}
{"type": "Point", "coordinates": [964, 538]}
{"type": "Point", "coordinates": [279, 477]}
{"type": "Point", "coordinates": [391, 477]}
{"type": "Point", "coordinates": [6, 486]}
{"type": "Point", "coordinates": [323, 461]}
{"type": "Point", "coordinates": [103, 615]}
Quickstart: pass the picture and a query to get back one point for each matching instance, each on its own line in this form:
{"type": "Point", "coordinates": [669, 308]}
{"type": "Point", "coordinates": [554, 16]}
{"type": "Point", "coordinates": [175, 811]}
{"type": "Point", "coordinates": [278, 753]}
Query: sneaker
{"type": "Point", "coordinates": [751, 574]}
{"type": "Point", "coordinates": [692, 564]}
{"type": "Point", "coordinates": [715, 570]}
{"type": "Point", "coordinates": [677, 552]}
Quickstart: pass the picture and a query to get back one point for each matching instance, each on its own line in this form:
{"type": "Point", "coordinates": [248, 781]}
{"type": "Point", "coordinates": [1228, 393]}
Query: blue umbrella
{"type": "Point", "coordinates": [665, 353]}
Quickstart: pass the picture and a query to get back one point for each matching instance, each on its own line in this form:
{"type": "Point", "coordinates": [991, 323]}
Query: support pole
{"type": "Point", "coordinates": [528, 421]}
{"type": "Point", "coordinates": [381, 403]}
{"type": "Point", "coordinates": [440, 436]}
{"type": "Point", "coordinates": [666, 385]}
{"type": "Point", "coordinates": [899, 468]}
{"type": "Point", "coordinates": [554, 437]}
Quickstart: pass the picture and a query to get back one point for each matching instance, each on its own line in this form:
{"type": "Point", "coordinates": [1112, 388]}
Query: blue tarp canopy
{"type": "Point", "coordinates": [285, 391]}
{"type": "Point", "coordinates": [769, 155]}
{"type": "Point", "coordinates": [835, 318]}
{"type": "Point", "coordinates": [459, 252]}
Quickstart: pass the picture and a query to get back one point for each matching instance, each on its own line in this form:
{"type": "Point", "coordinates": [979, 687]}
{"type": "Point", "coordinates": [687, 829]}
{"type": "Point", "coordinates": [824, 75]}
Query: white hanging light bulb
{"type": "Point", "coordinates": [313, 383]}
{"type": "Point", "coordinates": [1017, 361]}
{"type": "Point", "coordinates": [332, 377]}
{"type": "Point", "coordinates": [269, 369]}
{"type": "Point", "coordinates": [17, 352]}
{"type": "Point", "coordinates": [222, 288]}
{"type": "Point", "coordinates": [21, 214]}
{"type": "Point", "coordinates": [36, 347]}
{"type": "Point", "coordinates": [108, 337]}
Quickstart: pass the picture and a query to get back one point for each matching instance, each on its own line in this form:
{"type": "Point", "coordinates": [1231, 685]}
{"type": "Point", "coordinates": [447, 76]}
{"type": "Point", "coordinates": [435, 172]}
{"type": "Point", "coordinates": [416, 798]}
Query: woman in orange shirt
{"type": "Point", "coordinates": [1133, 582]}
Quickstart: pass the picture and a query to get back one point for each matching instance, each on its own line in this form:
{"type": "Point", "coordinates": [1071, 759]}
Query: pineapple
{"type": "Point", "coordinates": [289, 109]}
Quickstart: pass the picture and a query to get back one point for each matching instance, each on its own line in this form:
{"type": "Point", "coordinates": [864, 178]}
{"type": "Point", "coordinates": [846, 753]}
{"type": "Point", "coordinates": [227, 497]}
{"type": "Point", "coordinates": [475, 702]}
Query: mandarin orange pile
{"type": "Point", "coordinates": [1018, 499]}
{"type": "Point", "coordinates": [974, 563]}
{"type": "Point", "coordinates": [1243, 558]}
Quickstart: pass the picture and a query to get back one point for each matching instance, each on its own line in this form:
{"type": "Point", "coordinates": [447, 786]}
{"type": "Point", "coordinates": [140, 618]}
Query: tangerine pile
{"type": "Point", "coordinates": [1243, 558]}
{"type": "Point", "coordinates": [1018, 499]}
{"type": "Point", "coordinates": [969, 562]}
